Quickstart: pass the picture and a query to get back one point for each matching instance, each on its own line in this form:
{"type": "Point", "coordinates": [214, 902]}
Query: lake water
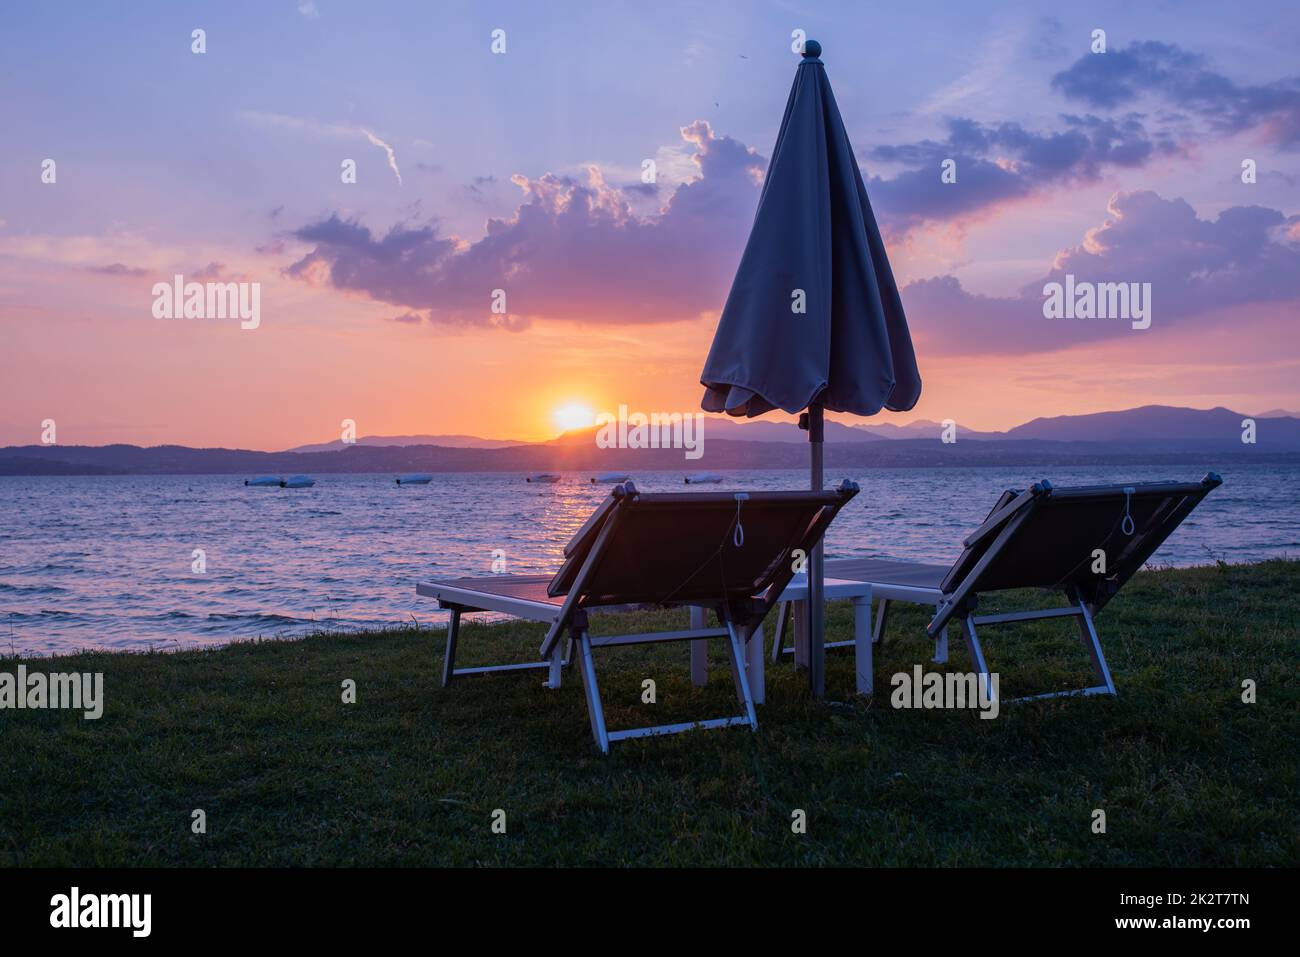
{"type": "Point", "coordinates": [107, 562]}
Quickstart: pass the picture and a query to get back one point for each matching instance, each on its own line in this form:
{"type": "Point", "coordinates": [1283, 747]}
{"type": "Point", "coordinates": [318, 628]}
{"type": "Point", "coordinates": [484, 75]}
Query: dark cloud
{"type": "Point", "coordinates": [573, 250]}
{"type": "Point", "coordinates": [917, 195]}
{"type": "Point", "coordinates": [1249, 254]}
{"type": "Point", "coordinates": [1000, 162]}
{"type": "Point", "coordinates": [476, 188]}
{"type": "Point", "coordinates": [1005, 161]}
{"type": "Point", "coordinates": [1184, 81]}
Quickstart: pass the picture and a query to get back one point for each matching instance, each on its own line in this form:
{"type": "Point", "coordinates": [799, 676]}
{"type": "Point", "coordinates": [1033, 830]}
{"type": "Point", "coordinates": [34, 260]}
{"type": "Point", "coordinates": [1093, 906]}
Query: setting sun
{"type": "Point", "coordinates": [573, 416]}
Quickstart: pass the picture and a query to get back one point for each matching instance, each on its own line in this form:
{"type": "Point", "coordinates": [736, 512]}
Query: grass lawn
{"type": "Point", "coordinates": [256, 735]}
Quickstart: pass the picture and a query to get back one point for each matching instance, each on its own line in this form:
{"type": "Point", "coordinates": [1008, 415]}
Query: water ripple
{"type": "Point", "coordinates": [107, 561]}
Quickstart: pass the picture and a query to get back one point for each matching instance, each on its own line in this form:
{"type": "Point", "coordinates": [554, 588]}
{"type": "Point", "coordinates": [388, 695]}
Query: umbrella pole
{"type": "Point", "coordinates": [816, 567]}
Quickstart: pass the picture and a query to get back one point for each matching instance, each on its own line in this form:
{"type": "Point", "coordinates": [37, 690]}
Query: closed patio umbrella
{"type": "Point", "coordinates": [813, 320]}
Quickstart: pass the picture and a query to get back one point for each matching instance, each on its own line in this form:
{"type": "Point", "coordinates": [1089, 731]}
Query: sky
{"type": "Point", "coordinates": [522, 171]}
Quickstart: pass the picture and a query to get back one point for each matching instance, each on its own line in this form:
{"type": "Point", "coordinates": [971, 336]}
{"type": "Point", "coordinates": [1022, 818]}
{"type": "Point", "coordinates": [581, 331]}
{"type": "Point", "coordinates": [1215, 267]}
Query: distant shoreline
{"type": "Point", "coordinates": [720, 455]}
{"type": "Point", "coordinates": [1150, 435]}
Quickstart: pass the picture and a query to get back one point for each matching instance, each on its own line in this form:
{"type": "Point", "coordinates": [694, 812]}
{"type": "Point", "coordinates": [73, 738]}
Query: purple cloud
{"type": "Point", "coordinates": [1249, 254]}
{"type": "Point", "coordinates": [573, 250]}
{"type": "Point", "coordinates": [1000, 162]}
{"type": "Point", "coordinates": [1005, 161]}
{"type": "Point", "coordinates": [118, 269]}
{"type": "Point", "coordinates": [1183, 80]}
{"type": "Point", "coordinates": [212, 272]}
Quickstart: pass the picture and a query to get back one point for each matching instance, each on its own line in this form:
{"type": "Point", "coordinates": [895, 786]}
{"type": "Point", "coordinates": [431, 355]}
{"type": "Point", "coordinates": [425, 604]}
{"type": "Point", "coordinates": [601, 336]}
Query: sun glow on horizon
{"type": "Point", "coordinates": [573, 415]}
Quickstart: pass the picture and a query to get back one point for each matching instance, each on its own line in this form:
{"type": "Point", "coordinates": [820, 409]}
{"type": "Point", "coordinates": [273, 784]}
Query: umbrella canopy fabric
{"type": "Point", "coordinates": [814, 238]}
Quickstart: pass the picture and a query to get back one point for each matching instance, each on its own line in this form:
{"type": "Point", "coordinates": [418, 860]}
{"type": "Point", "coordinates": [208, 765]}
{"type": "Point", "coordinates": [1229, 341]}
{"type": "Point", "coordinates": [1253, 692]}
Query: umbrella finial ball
{"type": "Point", "coordinates": [812, 48]}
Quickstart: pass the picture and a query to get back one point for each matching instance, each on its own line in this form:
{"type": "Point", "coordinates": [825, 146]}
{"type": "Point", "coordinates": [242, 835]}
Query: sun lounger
{"type": "Point", "coordinates": [734, 552]}
{"type": "Point", "coordinates": [1086, 541]}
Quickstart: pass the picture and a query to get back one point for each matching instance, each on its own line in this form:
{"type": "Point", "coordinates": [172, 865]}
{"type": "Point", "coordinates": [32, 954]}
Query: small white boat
{"type": "Point", "coordinates": [610, 477]}
{"type": "Point", "coordinates": [547, 477]}
{"type": "Point", "coordinates": [298, 481]}
{"type": "Point", "coordinates": [703, 478]}
{"type": "Point", "coordinates": [417, 479]}
{"type": "Point", "coordinates": [265, 481]}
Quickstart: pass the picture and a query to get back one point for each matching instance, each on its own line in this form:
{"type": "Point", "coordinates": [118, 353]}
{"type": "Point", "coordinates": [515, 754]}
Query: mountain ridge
{"type": "Point", "coordinates": [1148, 433]}
{"type": "Point", "coordinates": [1157, 422]}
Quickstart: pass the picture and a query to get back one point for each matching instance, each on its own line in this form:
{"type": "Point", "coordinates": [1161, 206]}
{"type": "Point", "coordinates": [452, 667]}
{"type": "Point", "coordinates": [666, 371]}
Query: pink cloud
{"type": "Point", "coordinates": [1195, 266]}
{"type": "Point", "coordinates": [573, 250]}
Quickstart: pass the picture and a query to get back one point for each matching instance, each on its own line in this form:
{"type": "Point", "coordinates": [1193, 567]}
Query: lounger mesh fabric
{"type": "Point", "coordinates": [526, 587]}
{"type": "Point", "coordinates": [894, 571]}
{"type": "Point", "coordinates": [683, 548]}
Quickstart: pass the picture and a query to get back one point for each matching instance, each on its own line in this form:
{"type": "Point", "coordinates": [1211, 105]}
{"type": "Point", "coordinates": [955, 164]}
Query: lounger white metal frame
{"type": "Point", "coordinates": [958, 595]}
{"type": "Point", "coordinates": [739, 619]}
{"type": "Point", "coordinates": [884, 592]}
{"type": "Point", "coordinates": [461, 600]}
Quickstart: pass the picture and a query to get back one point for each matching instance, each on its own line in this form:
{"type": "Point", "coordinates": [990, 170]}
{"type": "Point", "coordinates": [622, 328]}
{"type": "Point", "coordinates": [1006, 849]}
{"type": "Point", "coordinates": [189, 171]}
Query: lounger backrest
{"type": "Point", "coordinates": [977, 543]}
{"type": "Point", "coordinates": [669, 548]}
{"type": "Point", "coordinates": [1156, 510]}
{"type": "Point", "coordinates": [584, 536]}
{"type": "Point", "coordinates": [1050, 537]}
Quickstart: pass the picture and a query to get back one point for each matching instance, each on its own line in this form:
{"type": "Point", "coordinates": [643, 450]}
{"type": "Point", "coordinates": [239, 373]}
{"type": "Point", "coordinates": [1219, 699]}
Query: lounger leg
{"type": "Point", "coordinates": [977, 654]}
{"type": "Point", "coordinates": [556, 668]}
{"type": "Point", "coordinates": [449, 656]}
{"type": "Point", "coordinates": [941, 646]}
{"type": "Point", "coordinates": [1088, 632]}
{"type": "Point", "coordinates": [737, 654]}
{"type": "Point", "coordinates": [778, 645]}
{"type": "Point", "coordinates": [754, 650]}
{"type": "Point", "coordinates": [594, 709]}
{"type": "Point", "coordinates": [862, 641]}
{"type": "Point", "coordinates": [699, 651]}
{"type": "Point", "coordinates": [882, 618]}
{"type": "Point", "coordinates": [801, 655]}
